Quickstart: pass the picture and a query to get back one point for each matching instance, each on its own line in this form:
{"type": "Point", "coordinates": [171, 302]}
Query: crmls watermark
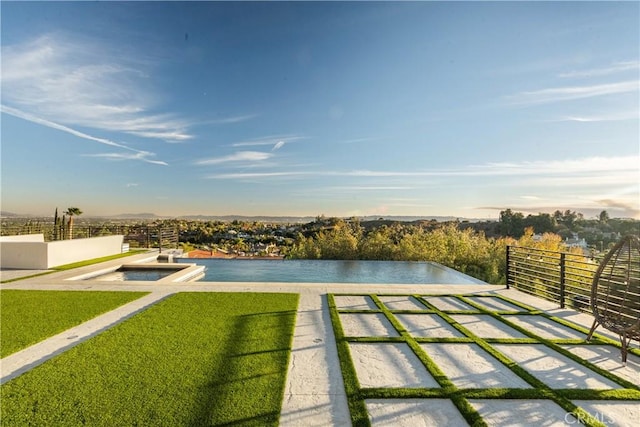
{"type": "Point", "coordinates": [573, 418]}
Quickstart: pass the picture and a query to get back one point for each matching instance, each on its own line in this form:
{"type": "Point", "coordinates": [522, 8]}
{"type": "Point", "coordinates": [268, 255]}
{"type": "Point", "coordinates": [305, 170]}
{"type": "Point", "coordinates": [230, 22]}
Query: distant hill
{"type": "Point", "coordinates": [287, 219]}
{"type": "Point", "coordinates": [303, 219]}
{"type": "Point", "coordinates": [247, 218]}
{"type": "Point", "coordinates": [414, 218]}
{"type": "Point", "coordinates": [5, 214]}
{"type": "Point", "coordinates": [144, 215]}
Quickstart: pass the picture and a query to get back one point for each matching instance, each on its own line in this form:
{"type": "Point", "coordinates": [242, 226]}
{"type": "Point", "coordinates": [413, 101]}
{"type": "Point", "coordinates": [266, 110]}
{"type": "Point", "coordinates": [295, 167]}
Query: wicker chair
{"type": "Point", "coordinates": [615, 293]}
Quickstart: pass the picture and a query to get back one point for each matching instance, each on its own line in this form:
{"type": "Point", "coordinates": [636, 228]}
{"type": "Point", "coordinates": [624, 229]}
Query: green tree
{"type": "Point", "coordinates": [511, 223]}
{"type": "Point", "coordinates": [340, 242]}
{"type": "Point", "coordinates": [72, 212]}
{"type": "Point", "coordinates": [55, 225]}
{"type": "Point", "coordinates": [378, 245]}
{"type": "Point", "coordinates": [541, 223]}
{"type": "Point", "coordinates": [603, 217]}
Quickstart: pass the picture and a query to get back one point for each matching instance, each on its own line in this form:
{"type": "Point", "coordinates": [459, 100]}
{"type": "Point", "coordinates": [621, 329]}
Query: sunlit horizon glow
{"type": "Point", "coordinates": [306, 108]}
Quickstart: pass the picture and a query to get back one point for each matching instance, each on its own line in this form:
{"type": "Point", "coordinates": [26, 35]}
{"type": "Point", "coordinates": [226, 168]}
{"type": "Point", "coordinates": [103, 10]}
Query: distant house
{"type": "Point", "coordinates": [576, 242]}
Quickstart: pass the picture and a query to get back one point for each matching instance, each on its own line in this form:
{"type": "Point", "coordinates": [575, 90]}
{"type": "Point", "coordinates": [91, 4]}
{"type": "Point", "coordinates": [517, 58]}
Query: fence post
{"type": "Point", "coordinates": [508, 270]}
{"type": "Point", "coordinates": [562, 279]}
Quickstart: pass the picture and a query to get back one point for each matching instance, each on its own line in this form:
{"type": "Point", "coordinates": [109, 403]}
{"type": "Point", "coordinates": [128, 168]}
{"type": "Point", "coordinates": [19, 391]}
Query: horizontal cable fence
{"type": "Point", "coordinates": [137, 236]}
{"type": "Point", "coordinates": [561, 277]}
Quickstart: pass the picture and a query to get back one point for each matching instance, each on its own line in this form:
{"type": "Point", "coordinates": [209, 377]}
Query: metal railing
{"type": "Point", "coordinates": [561, 277]}
{"type": "Point", "coordinates": [138, 236]}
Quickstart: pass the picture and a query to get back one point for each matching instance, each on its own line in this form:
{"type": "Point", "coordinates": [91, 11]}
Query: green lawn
{"type": "Point", "coordinates": [27, 317]}
{"type": "Point", "coordinates": [193, 359]}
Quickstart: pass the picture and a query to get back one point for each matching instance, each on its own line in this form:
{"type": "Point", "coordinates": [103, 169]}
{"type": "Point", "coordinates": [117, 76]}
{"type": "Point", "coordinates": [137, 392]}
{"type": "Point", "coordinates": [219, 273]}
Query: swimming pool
{"type": "Point", "coordinates": [144, 275]}
{"type": "Point", "coordinates": [146, 272]}
{"type": "Point", "coordinates": [329, 271]}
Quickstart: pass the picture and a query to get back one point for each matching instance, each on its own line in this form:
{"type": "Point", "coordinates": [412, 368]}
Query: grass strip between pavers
{"type": "Point", "coordinates": [468, 412]}
{"type": "Point", "coordinates": [562, 397]}
{"type": "Point", "coordinates": [30, 316]}
{"type": "Point", "coordinates": [596, 339]}
{"type": "Point", "coordinates": [194, 358]}
{"type": "Point", "coordinates": [355, 401]}
{"type": "Point", "coordinates": [554, 345]}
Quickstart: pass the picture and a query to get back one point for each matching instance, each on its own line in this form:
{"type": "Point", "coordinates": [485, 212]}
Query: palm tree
{"type": "Point", "coordinates": [72, 212]}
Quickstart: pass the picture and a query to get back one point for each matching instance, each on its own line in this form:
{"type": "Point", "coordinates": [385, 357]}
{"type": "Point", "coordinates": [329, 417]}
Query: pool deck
{"type": "Point", "coordinates": [315, 393]}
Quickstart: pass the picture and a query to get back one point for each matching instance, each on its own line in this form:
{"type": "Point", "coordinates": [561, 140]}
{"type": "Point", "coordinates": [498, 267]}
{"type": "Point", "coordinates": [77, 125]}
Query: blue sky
{"type": "Point", "coordinates": [308, 108]}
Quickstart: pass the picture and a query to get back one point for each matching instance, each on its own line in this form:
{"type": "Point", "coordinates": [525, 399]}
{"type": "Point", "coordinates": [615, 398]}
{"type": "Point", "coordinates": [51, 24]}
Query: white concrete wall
{"type": "Point", "coordinates": [67, 251]}
{"type": "Point", "coordinates": [42, 255]}
{"type": "Point", "coordinates": [27, 255]}
{"type": "Point", "coordinates": [23, 238]}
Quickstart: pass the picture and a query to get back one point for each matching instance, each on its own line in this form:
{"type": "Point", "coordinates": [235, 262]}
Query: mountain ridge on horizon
{"type": "Point", "coordinates": [266, 218]}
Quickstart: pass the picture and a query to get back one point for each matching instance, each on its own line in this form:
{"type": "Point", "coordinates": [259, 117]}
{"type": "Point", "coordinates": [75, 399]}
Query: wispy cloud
{"type": "Point", "coordinates": [241, 176]}
{"type": "Point", "coordinates": [360, 140]}
{"type": "Point", "coordinates": [569, 93]}
{"type": "Point", "coordinates": [278, 145]}
{"type": "Point", "coordinates": [530, 197]}
{"type": "Point", "coordinates": [240, 156]}
{"type": "Point", "coordinates": [630, 115]}
{"type": "Point", "coordinates": [596, 72]}
{"type": "Point", "coordinates": [633, 210]}
{"type": "Point", "coordinates": [559, 167]}
{"type": "Point", "coordinates": [85, 83]}
{"type": "Point", "coordinates": [234, 119]}
{"type": "Point", "coordinates": [269, 140]}
{"type": "Point", "coordinates": [141, 156]}
{"type": "Point", "coordinates": [137, 154]}
{"type": "Point", "coordinates": [595, 166]}
{"type": "Point", "coordinates": [368, 188]}
{"type": "Point", "coordinates": [30, 117]}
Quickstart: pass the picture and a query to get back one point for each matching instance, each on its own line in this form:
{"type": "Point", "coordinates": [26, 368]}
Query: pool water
{"type": "Point", "coordinates": [146, 274]}
{"type": "Point", "coordinates": [328, 271]}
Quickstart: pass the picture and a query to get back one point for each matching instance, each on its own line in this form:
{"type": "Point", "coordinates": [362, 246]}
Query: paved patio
{"type": "Point", "coordinates": [455, 326]}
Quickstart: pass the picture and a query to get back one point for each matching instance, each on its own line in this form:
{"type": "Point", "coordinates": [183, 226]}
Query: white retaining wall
{"type": "Point", "coordinates": [32, 252]}
{"type": "Point", "coordinates": [23, 238]}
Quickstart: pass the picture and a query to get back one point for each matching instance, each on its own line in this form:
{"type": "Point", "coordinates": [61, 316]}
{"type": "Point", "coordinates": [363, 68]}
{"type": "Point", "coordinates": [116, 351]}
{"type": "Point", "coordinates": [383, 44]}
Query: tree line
{"type": "Point", "coordinates": [465, 250]}
{"type": "Point", "coordinates": [567, 224]}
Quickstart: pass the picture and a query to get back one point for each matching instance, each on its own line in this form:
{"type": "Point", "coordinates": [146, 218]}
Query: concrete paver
{"type": "Point", "coordinates": [314, 392]}
{"type": "Point", "coordinates": [495, 304]}
{"type": "Point", "coordinates": [367, 325]}
{"type": "Point", "coordinates": [413, 413]}
{"type": "Point", "coordinates": [468, 366]}
{"type": "Point", "coordinates": [389, 365]}
{"type": "Point", "coordinates": [522, 413]}
{"type": "Point", "coordinates": [607, 357]}
{"type": "Point", "coordinates": [544, 327]}
{"type": "Point", "coordinates": [354, 302]}
{"type": "Point", "coordinates": [485, 326]}
{"type": "Point", "coordinates": [401, 303]}
{"type": "Point", "coordinates": [449, 303]}
{"type": "Point", "coordinates": [554, 369]}
{"type": "Point", "coordinates": [619, 414]}
{"type": "Point", "coordinates": [427, 326]}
